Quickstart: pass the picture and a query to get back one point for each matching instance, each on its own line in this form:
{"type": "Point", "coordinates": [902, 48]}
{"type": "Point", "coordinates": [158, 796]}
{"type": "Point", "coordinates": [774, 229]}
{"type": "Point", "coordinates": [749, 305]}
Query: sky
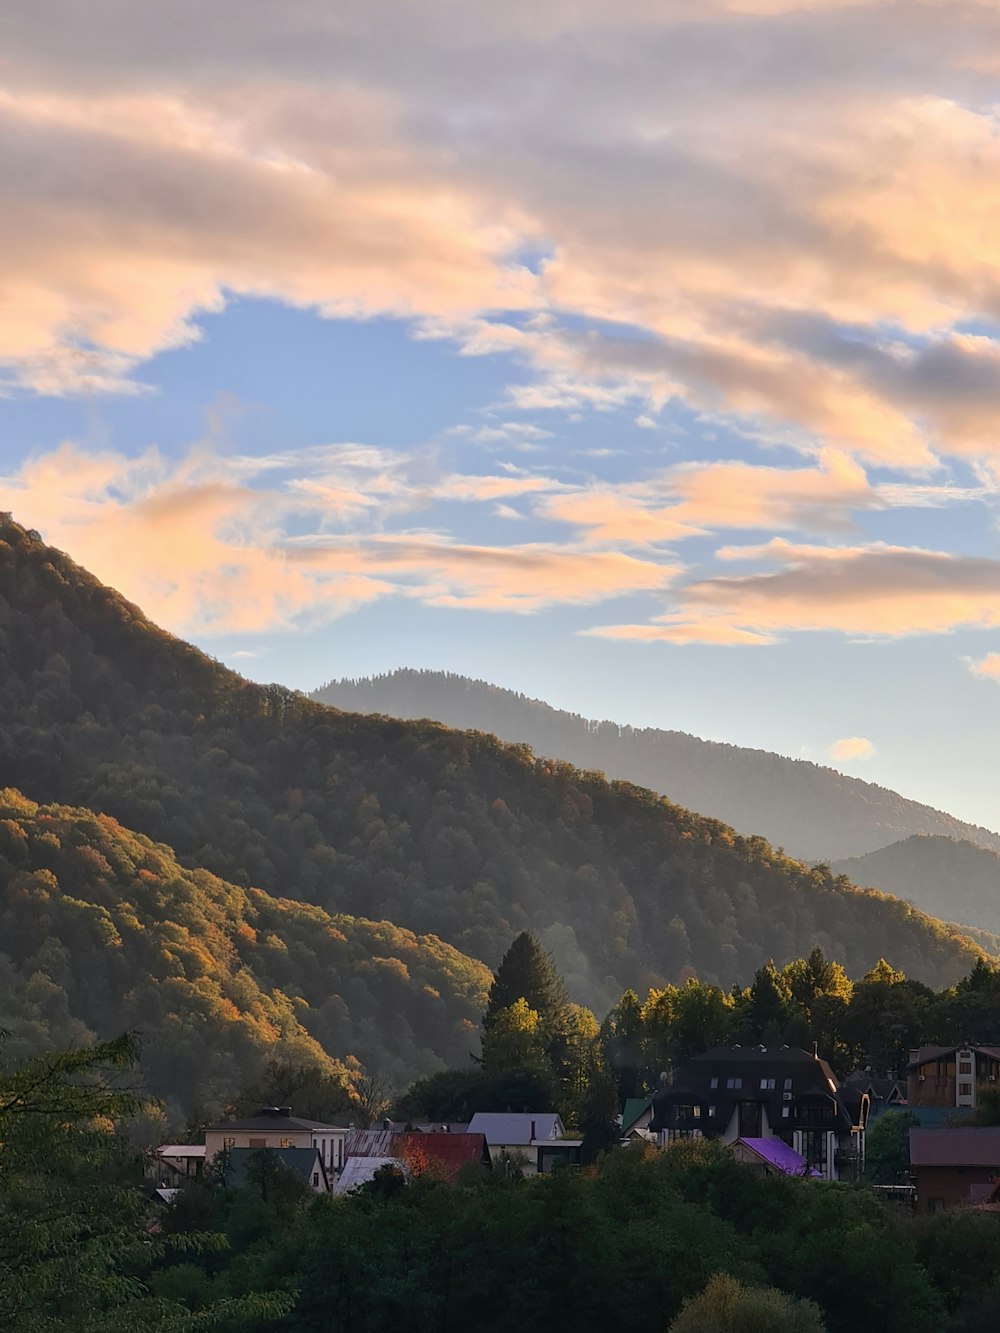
{"type": "Point", "coordinates": [642, 357]}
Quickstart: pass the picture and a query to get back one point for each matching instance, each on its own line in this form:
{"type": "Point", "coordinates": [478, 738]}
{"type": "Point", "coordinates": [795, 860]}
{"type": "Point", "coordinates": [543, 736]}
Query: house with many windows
{"type": "Point", "coordinates": [276, 1127]}
{"type": "Point", "coordinates": [760, 1093]}
{"type": "Point", "coordinates": [952, 1076]}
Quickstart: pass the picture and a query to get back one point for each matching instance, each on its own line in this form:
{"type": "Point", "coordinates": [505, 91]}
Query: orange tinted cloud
{"type": "Point", "coordinates": [870, 591]}
{"type": "Point", "coordinates": [201, 543]}
{"type": "Point", "coordinates": [851, 748]}
{"type": "Point", "coordinates": [717, 204]}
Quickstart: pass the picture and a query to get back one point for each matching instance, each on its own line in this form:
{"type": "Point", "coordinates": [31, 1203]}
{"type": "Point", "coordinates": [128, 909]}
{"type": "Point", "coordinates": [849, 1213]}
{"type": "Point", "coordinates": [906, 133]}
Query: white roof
{"type": "Point", "coordinates": [505, 1127]}
{"type": "Point", "coordinates": [360, 1170]}
{"type": "Point", "coordinates": [181, 1150]}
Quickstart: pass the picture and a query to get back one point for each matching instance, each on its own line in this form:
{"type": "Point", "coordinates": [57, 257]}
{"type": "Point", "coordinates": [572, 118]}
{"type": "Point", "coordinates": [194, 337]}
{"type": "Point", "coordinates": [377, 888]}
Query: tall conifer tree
{"type": "Point", "coordinates": [527, 972]}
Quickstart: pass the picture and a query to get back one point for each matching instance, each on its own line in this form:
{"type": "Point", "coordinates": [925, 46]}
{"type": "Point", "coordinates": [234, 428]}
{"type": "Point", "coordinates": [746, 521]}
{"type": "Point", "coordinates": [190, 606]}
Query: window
{"type": "Point", "coordinates": [766, 1084]}
{"type": "Point", "coordinates": [711, 1110]}
{"type": "Point", "coordinates": [734, 1083]}
{"type": "Point", "coordinates": [229, 1143]}
{"type": "Point", "coordinates": [965, 1066]}
{"type": "Point", "coordinates": [287, 1143]}
{"type": "Point", "coordinates": [785, 1111]}
{"type": "Point", "coordinates": [258, 1143]}
{"type": "Point", "coordinates": [965, 1089]}
{"type": "Point", "coordinates": [714, 1083]}
{"type": "Point", "coordinates": [315, 1180]}
{"type": "Point", "coordinates": [788, 1084]}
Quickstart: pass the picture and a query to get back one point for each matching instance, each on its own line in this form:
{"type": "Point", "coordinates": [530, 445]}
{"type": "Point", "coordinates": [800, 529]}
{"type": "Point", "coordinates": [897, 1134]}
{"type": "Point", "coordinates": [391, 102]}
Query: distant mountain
{"type": "Point", "coordinates": [101, 930]}
{"type": "Point", "coordinates": [811, 811]}
{"type": "Point", "coordinates": [945, 876]}
{"type": "Point", "coordinates": [443, 833]}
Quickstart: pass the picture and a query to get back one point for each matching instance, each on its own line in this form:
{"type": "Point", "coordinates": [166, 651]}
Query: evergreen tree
{"type": "Point", "coordinates": [599, 1117]}
{"type": "Point", "coordinates": [527, 972]}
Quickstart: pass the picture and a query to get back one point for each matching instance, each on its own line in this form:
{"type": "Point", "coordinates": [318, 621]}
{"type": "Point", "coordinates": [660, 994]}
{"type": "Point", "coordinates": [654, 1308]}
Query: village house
{"type": "Point", "coordinates": [950, 1076]}
{"type": "Point", "coordinates": [760, 1093]}
{"type": "Point", "coordinates": [276, 1127]}
{"type": "Point", "coordinates": [173, 1163]}
{"type": "Point", "coordinates": [441, 1153]}
{"type": "Point", "coordinates": [306, 1163]}
{"type": "Point", "coordinates": [947, 1163]}
{"type": "Point", "coordinates": [533, 1142]}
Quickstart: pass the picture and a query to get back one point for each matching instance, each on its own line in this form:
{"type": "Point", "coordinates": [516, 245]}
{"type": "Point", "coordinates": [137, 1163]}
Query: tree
{"type": "Point", "coordinates": [307, 1089]}
{"type": "Point", "coordinates": [887, 1148]}
{"type": "Point", "coordinates": [599, 1115]}
{"type": "Point", "coordinates": [372, 1098]}
{"type": "Point", "coordinates": [526, 972]}
{"type": "Point", "coordinates": [623, 1046]}
{"type": "Point", "coordinates": [726, 1306]}
{"type": "Point", "coordinates": [76, 1230]}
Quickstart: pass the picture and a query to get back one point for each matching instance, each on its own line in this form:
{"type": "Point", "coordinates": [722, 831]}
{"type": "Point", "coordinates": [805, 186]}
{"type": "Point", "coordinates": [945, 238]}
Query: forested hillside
{"type": "Point", "coordinates": [444, 833]}
{"type": "Point", "coordinates": [101, 929]}
{"type": "Point", "coordinates": [812, 812]}
{"type": "Point", "coordinates": [945, 876]}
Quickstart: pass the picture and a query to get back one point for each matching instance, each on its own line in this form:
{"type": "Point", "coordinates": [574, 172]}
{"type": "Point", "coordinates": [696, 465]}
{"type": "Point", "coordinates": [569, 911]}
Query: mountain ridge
{"type": "Point", "coordinates": [848, 815]}
{"type": "Point", "coordinates": [441, 832]}
{"type": "Point", "coordinates": [946, 876]}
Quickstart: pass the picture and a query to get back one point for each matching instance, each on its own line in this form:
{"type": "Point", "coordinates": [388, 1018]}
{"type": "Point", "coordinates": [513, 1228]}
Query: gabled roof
{"type": "Point", "coordinates": [359, 1171]}
{"type": "Point", "coordinates": [516, 1129]}
{"type": "Point", "coordinates": [369, 1143]}
{"type": "Point", "coordinates": [925, 1054]}
{"type": "Point", "coordinates": [811, 1082]}
{"type": "Point", "coordinates": [448, 1153]}
{"type": "Point", "coordinates": [776, 1154]}
{"type": "Point", "coordinates": [304, 1162]}
{"type": "Point", "coordinates": [635, 1108]}
{"type": "Point", "coordinates": [181, 1150]}
{"type": "Point", "coordinates": [968, 1146]}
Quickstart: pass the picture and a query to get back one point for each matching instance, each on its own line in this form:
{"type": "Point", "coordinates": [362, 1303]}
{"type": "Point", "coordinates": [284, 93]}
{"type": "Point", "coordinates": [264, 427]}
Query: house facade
{"type": "Point", "coordinates": [950, 1076]}
{"type": "Point", "coordinates": [760, 1093]}
{"type": "Point", "coordinates": [276, 1127]}
{"type": "Point", "coordinates": [533, 1142]}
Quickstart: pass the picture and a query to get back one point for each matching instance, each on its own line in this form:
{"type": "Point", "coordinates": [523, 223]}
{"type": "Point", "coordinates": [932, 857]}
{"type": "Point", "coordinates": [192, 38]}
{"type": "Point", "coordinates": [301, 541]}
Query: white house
{"type": "Point", "coordinates": [530, 1141]}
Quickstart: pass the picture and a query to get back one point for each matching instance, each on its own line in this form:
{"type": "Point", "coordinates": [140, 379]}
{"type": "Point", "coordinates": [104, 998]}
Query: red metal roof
{"type": "Point", "coordinates": [445, 1152]}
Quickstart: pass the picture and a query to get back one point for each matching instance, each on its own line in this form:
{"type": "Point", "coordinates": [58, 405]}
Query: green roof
{"type": "Point", "coordinates": [634, 1107]}
{"type": "Point", "coordinates": [300, 1161]}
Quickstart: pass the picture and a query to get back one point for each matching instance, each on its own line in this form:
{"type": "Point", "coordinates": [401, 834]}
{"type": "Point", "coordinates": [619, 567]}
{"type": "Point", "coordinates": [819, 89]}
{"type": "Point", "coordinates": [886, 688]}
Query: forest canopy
{"type": "Point", "coordinates": [443, 833]}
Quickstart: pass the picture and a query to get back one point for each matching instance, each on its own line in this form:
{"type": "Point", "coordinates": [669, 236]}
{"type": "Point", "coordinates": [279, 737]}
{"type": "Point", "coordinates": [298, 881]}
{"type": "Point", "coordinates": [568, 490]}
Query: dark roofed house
{"type": "Point", "coordinates": [276, 1127]}
{"type": "Point", "coordinates": [947, 1163]}
{"type": "Point", "coordinates": [763, 1093]}
{"type": "Point", "coordinates": [306, 1163]}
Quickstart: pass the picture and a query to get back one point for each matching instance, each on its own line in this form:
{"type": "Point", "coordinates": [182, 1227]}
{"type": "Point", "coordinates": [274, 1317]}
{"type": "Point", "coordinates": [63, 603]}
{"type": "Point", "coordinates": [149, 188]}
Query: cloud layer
{"type": "Point", "coordinates": [778, 216]}
{"type": "Point", "coordinates": [796, 203]}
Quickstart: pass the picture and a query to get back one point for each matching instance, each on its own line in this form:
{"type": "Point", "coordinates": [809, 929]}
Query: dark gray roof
{"type": "Point", "coordinates": [271, 1121]}
{"type": "Point", "coordinates": [813, 1083]}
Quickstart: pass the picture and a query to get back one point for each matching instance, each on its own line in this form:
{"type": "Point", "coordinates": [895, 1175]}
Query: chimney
{"type": "Point", "coordinates": [815, 1050]}
{"type": "Point", "coordinates": [285, 1111]}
